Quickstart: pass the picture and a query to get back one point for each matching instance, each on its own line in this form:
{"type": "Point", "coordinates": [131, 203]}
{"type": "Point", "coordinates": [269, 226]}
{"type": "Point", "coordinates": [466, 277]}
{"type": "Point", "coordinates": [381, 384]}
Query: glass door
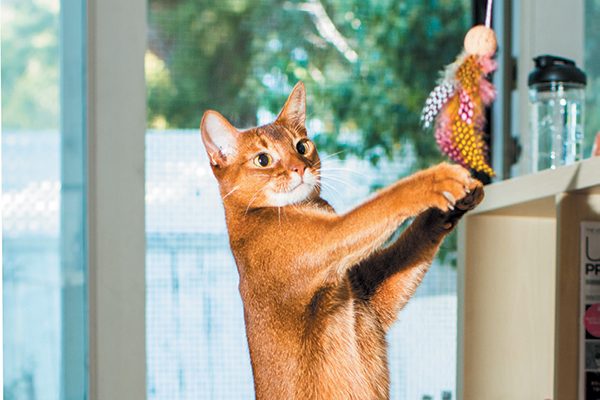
{"type": "Point", "coordinates": [43, 199]}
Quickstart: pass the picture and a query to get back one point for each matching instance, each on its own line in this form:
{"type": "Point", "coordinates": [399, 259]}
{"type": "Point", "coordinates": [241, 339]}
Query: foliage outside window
{"type": "Point", "coordinates": [368, 66]}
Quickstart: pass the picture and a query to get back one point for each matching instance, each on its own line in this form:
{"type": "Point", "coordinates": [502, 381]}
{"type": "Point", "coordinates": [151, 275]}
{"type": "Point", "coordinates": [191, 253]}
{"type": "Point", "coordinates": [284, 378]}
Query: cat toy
{"type": "Point", "coordinates": [456, 106]}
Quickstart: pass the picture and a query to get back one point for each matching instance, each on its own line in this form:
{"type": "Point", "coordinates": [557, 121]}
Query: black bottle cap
{"type": "Point", "coordinates": [555, 69]}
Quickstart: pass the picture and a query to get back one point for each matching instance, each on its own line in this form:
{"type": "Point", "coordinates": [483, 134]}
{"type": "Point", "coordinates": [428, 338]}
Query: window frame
{"type": "Point", "coordinates": [73, 200]}
{"type": "Point", "coordinates": [116, 125]}
{"type": "Point", "coordinates": [116, 128]}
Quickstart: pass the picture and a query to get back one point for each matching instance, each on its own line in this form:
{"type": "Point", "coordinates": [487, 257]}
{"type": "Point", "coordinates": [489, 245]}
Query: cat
{"type": "Point", "coordinates": [320, 290]}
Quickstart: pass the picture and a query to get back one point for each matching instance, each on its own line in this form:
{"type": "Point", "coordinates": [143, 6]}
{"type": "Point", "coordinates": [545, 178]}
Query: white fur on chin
{"type": "Point", "coordinates": [302, 189]}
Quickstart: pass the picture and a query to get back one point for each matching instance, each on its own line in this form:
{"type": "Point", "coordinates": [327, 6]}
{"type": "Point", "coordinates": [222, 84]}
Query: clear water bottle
{"type": "Point", "coordinates": [557, 97]}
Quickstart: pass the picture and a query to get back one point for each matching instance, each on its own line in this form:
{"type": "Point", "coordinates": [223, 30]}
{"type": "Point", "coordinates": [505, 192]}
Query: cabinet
{"type": "Point", "coordinates": [518, 289]}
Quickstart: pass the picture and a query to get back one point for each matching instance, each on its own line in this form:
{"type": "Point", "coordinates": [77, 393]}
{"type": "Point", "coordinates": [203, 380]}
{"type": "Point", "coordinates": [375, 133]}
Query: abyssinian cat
{"type": "Point", "coordinates": [320, 290]}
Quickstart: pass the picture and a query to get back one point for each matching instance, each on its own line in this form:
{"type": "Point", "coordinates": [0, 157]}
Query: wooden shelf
{"type": "Point", "coordinates": [518, 285]}
{"type": "Point", "coordinates": [534, 195]}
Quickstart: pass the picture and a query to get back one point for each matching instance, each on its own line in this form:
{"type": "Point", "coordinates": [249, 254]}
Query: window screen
{"type": "Point", "coordinates": [367, 66]}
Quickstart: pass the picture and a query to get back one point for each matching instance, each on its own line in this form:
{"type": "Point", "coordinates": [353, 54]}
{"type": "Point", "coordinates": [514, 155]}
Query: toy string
{"type": "Point", "coordinates": [488, 14]}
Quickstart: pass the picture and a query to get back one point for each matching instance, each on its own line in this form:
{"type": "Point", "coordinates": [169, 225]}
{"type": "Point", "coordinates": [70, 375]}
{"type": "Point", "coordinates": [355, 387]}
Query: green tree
{"type": "Point", "coordinates": [368, 65]}
{"type": "Point", "coordinates": [30, 64]}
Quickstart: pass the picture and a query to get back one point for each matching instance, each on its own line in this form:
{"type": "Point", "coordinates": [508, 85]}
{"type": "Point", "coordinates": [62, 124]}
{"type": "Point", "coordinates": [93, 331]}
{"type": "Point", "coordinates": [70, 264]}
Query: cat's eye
{"type": "Point", "coordinates": [303, 146]}
{"type": "Point", "coordinates": [263, 160]}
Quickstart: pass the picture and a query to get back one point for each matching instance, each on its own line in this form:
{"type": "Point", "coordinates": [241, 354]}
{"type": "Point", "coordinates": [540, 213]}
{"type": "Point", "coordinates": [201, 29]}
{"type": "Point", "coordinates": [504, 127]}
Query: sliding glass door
{"type": "Point", "coordinates": [43, 199]}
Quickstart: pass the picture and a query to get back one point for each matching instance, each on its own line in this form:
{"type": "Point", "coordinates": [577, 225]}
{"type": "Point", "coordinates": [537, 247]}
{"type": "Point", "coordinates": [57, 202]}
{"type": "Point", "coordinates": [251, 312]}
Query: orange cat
{"type": "Point", "coordinates": [320, 290]}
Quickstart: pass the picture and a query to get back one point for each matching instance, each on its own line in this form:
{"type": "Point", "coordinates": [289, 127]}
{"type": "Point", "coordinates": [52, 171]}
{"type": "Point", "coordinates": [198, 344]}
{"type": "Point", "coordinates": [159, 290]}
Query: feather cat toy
{"type": "Point", "coordinates": [456, 106]}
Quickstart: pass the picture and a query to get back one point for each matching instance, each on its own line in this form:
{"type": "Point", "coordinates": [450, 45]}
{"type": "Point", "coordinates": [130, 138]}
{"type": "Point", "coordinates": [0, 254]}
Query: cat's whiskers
{"type": "Point", "coordinates": [344, 169]}
{"type": "Point", "coordinates": [338, 180]}
{"type": "Point", "coordinates": [296, 207]}
{"type": "Point", "coordinates": [260, 189]}
{"type": "Point", "coordinates": [252, 200]}
{"type": "Point", "coordinates": [235, 188]}
{"type": "Point", "coordinates": [335, 191]}
{"type": "Point", "coordinates": [287, 218]}
{"type": "Point", "coordinates": [329, 156]}
{"type": "Point", "coordinates": [327, 185]}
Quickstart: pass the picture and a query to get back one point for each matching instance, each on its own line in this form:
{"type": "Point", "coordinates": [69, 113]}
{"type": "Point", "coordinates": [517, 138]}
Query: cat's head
{"type": "Point", "coordinates": [269, 166]}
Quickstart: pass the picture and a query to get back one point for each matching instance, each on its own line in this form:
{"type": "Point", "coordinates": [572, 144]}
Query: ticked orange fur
{"type": "Point", "coordinates": [320, 289]}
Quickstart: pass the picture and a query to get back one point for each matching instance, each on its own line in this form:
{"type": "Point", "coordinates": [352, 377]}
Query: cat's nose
{"type": "Point", "coordinates": [298, 168]}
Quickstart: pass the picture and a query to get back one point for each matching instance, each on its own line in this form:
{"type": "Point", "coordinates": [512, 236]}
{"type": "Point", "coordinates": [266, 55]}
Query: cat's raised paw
{"type": "Point", "coordinates": [449, 184]}
{"type": "Point", "coordinates": [470, 201]}
{"type": "Point", "coordinates": [473, 198]}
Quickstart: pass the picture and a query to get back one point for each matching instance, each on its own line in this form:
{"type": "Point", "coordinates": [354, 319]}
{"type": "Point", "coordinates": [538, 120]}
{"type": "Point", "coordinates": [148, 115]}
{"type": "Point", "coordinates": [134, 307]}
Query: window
{"type": "Point", "coordinates": [43, 198]}
{"type": "Point", "coordinates": [368, 67]}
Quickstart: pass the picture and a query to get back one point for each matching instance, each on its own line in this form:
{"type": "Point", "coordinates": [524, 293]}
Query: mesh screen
{"type": "Point", "coordinates": [368, 66]}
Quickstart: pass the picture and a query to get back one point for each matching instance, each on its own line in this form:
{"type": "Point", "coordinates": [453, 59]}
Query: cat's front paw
{"type": "Point", "coordinates": [467, 203]}
{"type": "Point", "coordinates": [471, 199]}
{"type": "Point", "coordinates": [448, 184]}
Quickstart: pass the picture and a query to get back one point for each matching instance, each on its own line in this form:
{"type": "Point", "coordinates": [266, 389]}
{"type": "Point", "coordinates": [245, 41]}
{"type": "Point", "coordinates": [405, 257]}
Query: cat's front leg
{"type": "Point", "coordinates": [389, 278]}
{"type": "Point", "coordinates": [350, 238]}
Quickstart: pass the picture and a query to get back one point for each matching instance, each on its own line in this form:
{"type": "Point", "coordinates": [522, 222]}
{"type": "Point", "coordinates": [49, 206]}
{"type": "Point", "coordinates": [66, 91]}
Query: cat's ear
{"type": "Point", "coordinates": [219, 137]}
{"type": "Point", "coordinates": [294, 110]}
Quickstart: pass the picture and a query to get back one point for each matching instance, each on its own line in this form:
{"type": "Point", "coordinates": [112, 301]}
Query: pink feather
{"type": "Point", "coordinates": [487, 91]}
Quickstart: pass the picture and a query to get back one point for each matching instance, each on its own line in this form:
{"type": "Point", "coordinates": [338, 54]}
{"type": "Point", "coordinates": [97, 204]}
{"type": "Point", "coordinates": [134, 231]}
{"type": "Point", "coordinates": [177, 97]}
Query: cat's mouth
{"type": "Point", "coordinates": [297, 186]}
{"type": "Point", "coordinates": [294, 195]}
{"type": "Point", "coordinates": [298, 189]}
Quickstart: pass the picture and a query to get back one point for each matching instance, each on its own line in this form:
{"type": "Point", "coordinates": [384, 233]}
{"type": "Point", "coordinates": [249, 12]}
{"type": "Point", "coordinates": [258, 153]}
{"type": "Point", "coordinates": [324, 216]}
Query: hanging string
{"type": "Point", "coordinates": [488, 14]}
